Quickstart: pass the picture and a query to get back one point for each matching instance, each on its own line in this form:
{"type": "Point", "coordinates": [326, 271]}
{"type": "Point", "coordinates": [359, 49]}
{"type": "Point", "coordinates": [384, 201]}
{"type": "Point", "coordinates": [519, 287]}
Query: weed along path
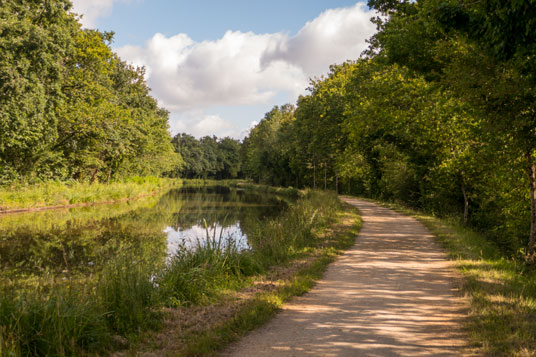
{"type": "Point", "coordinates": [393, 293]}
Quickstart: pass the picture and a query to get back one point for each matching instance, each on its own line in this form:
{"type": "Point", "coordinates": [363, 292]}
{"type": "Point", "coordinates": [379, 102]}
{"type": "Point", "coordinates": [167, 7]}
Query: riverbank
{"type": "Point", "coordinates": [119, 305]}
{"type": "Point", "coordinates": [501, 290]}
{"type": "Point", "coordinates": [52, 195]}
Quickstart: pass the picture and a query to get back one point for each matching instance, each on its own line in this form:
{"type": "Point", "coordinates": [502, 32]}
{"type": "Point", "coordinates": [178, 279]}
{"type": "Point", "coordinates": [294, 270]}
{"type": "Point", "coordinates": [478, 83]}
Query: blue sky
{"type": "Point", "coordinates": [218, 66]}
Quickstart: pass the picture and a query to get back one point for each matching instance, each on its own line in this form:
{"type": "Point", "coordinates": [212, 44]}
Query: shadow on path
{"type": "Point", "coordinates": [393, 293]}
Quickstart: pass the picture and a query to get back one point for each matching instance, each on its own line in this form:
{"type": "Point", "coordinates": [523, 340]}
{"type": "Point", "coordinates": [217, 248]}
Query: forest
{"type": "Point", "coordinates": [438, 114]}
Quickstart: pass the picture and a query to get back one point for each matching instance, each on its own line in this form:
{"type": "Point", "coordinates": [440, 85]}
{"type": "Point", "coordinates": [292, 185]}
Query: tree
{"type": "Point", "coordinates": [70, 107]}
{"type": "Point", "coordinates": [35, 39]}
{"type": "Point", "coordinates": [265, 150]}
{"type": "Point", "coordinates": [482, 51]}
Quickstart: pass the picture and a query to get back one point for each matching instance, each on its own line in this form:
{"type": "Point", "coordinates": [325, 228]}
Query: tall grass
{"type": "Point", "coordinates": [195, 276]}
{"type": "Point", "coordinates": [73, 318]}
{"type": "Point", "coordinates": [53, 193]}
{"type": "Point", "coordinates": [126, 297]}
{"type": "Point", "coordinates": [51, 323]}
{"type": "Point", "coordinates": [285, 237]}
{"type": "Point", "coordinates": [126, 292]}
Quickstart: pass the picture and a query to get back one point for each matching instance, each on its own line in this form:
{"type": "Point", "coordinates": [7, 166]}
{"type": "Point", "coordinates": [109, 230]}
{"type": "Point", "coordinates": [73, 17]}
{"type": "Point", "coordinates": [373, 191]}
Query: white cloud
{"type": "Point", "coordinates": [244, 68]}
{"type": "Point", "coordinates": [335, 36]}
{"type": "Point", "coordinates": [246, 132]}
{"type": "Point", "coordinates": [92, 10]}
{"type": "Point", "coordinates": [186, 75]}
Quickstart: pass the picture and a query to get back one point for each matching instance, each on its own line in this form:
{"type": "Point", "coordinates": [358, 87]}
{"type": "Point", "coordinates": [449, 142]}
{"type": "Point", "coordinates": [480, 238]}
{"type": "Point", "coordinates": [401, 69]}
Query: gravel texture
{"type": "Point", "coordinates": [394, 293]}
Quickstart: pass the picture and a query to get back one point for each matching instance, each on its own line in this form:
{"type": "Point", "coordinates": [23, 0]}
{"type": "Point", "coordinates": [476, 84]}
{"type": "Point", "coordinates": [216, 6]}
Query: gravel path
{"type": "Point", "coordinates": [393, 293]}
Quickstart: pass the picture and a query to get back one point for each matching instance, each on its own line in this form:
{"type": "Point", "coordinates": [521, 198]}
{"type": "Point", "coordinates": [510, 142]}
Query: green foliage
{"type": "Point", "coordinates": [208, 158]}
{"type": "Point", "coordinates": [36, 37]}
{"type": "Point", "coordinates": [127, 294]}
{"type": "Point", "coordinates": [482, 54]}
{"type": "Point", "coordinates": [266, 150]}
{"type": "Point", "coordinates": [195, 276]}
{"type": "Point", "coordinates": [285, 237]}
{"type": "Point", "coordinates": [439, 114]}
{"type": "Point", "coordinates": [54, 193]}
{"type": "Point", "coordinates": [71, 109]}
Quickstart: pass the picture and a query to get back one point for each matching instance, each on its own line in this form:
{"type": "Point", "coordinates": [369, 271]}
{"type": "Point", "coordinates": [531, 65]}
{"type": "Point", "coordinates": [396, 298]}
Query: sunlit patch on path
{"type": "Point", "coordinates": [393, 293]}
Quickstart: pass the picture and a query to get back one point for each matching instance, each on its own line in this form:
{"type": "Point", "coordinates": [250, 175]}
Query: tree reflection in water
{"type": "Point", "coordinates": [79, 241]}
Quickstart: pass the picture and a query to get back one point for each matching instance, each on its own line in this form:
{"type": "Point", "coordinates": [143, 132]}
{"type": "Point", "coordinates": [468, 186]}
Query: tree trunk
{"type": "Point", "coordinates": [325, 177]}
{"type": "Point", "coordinates": [94, 176]}
{"type": "Point", "coordinates": [349, 180]}
{"type": "Point", "coordinates": [532, 179]}
{"type": "Point", "coordinates": [337, 183]}
{"type": "Point", "coordinates": [465, 204]}
{"type": "Point", "coordinates": [314, 175]}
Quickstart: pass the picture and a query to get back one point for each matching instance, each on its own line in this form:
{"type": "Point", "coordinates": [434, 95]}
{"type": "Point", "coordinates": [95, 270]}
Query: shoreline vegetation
{"type": "Point", "coordinates": [501, 290]}
{"type": "Point", "coordinates": [134, 304]}
{"type": "Point", "coordinates": [52, 195]}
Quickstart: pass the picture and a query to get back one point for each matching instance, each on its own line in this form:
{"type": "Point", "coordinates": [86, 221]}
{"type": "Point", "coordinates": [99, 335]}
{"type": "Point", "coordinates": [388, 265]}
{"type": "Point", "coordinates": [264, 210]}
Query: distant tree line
{"type": "Point", "coordinates": [439, 113]}
{"type": "Point", "coordinates": [208, 157]}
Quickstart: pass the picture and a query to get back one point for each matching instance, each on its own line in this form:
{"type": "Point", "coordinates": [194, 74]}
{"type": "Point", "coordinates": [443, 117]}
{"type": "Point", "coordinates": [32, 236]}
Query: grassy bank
{"type": "Point", "coordinates": [502, 290]}
{"type": "Point", "coordinates": [51, 194]}
{"type": "Point", "coordinates": [131, 295]}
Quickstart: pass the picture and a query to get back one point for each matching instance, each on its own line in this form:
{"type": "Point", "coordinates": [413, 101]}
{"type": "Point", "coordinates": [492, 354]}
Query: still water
{"type": "Point", "coordinates": [80, 240]}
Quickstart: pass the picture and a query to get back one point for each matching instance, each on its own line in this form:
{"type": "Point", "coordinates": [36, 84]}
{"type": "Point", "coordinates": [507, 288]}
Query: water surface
{"type": "Point", "coordinates": [80, 240]}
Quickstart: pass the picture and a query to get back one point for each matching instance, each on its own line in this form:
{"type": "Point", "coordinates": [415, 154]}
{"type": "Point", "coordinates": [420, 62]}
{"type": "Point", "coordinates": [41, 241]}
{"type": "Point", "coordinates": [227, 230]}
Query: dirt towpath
{"type": "Point", "coordinates": [394, 293]}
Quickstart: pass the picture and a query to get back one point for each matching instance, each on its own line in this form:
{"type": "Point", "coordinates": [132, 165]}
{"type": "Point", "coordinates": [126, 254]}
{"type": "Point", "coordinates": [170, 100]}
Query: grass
{"type": "Point", "coordinates": [47, 194]}
{"type": "Point", "coordinates": [79, 317]}
{"type": "Point", "coordinates": [256, 311]}
{"type": "Point", "coordinates": [129, 296]}
{"type": "Point", "coordinates": [196, 276]}
{"type": "Point", "coordinates": [60, 322]}
{"type": "Point", "coordinates": [502, 290]}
